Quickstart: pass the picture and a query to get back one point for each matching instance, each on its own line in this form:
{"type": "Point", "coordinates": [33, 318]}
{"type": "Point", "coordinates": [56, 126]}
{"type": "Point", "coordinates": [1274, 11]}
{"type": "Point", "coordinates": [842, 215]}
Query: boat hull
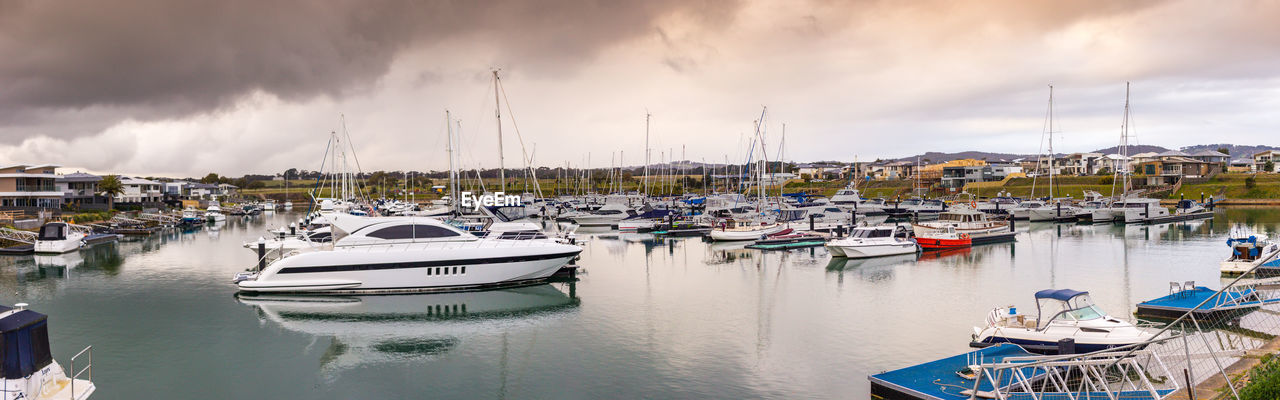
{"type": "Point", "coordinates": [939, 243]}
{"type": "Point", "coordinates": [421, 270]}
{"type": "Point", "coordinates": [736, 235]}
{"type": "Point", "coordinates": [869, 251]}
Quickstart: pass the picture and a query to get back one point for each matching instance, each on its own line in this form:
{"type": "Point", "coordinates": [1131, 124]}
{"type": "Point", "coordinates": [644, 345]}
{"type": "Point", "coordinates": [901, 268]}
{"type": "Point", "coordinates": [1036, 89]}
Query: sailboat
{"type": "Point", "coordinates": [1059, 209]}
{"type": "Point", "coordinates": [1130, 209]}
{"type": "Point", "coordinates": [758, 224]}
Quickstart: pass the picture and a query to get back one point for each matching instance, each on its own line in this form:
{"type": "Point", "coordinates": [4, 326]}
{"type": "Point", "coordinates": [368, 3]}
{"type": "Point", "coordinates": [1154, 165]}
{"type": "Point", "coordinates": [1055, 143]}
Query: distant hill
{"type": "Point", "coordinates": [1237, 151]}
{"type": "Point", "coordinates": [934, 157]}
{"type": "Point", "coordinates": [1134, 149]}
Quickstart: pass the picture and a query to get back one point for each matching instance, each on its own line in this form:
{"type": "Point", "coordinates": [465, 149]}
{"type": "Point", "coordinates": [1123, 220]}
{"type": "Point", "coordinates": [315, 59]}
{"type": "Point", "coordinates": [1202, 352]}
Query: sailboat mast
{"type": "Point", "coordinates": [497, 112]}
{"type": "Point", "coordinates": [1124, 141]}
{"type": "Point", "coordinates": [448, 128]}
{"type": "Point", "coordinates": [646, 154]}
{"type": "Point", "coordinates": [1051, 157]}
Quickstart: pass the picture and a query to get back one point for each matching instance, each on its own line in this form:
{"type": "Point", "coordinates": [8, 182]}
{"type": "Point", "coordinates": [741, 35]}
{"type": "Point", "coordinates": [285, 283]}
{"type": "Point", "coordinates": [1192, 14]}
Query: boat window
{"type": "Point", "coordinates": [52, 232]}
{"type": "Point", "coordinates": [430, 271]}
{"type": "Point", "coordinates": [1086, 313]}
{"type": "Point", "coordinates": [320, 237]}
{"type": "Point", "coordinates": [412, 232]}
{"type": "Point", "coordinates": [464, 270]}
{"type": "Point", "coordinates": [455, 270]}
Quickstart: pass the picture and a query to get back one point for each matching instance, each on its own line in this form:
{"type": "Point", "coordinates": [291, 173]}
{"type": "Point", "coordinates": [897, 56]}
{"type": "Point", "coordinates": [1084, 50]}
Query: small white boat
{"type": "Point", "coordinates": [1062, 314]}
{"type": "Point", "coordinates": [735, 230]}
{"type": "Point", "coordinates": [288, 205]}
{"type": "Point", "coordinates": [1138, 210]}
{"type": "Point", "coordinates": [58, 238]}
{"type": "Point", "coordinates": [1248, 250]}
{"type": "Point", "coordinates": [269, 206]}
{"type": "Point", "coordinates": [1023, 210]}
{"type": "Point", "coordinates": [608, 215]}
{"type": "Point", "coordinates": [876, 241]}
{"type": "Point", "coordinates": [214, 213]}
{"type": "Point", "coordinates": [1059, 210]}
{"type": "Point", "coordinates": [30, 372]}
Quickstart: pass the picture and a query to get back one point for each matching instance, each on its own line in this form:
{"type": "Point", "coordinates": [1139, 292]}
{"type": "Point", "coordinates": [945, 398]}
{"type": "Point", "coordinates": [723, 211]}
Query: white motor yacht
{"type": "Point", "coordinates": [735, 230]}
{"type": "Point", "coordinates": [57, 238]}
{"type": "Point", "coordinates": [852, 198]}
{"type": "Point", "coordinates": [964, 219]}
{"type": "Point", "coordinates": [1248, 250]}
{"type": "Point", "coordinates": [607, 215]}
{"type": "Point", "coordinates": [408, 254]}
{"type": "Point", "coordinates": [214, 213]}
{"type": "Point", "coordinates": [876, 241]}
{"type": "Point", "coordinates": [30, 372]}
{"type": "Point", "coordinates": [1023, 210]}
{"type": "Point", "coordinates": [1089, 208]}
{"type": "Point", "coordinates": [1137, 210]}
{"type": "Point", "coordinates": [1059, 210]}
{"type": "Point", "coordinates": [1062, 314]}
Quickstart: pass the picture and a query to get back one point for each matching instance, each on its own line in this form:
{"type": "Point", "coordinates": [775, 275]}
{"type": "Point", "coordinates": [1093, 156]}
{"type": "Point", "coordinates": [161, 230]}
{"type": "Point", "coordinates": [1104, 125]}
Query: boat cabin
{"type": "Point", "coordinates": [959, 214]}
{"type": "Point", "coordinates": [25, 337]}
{"type": "Point", "coordinates": [54, 231]}
{"type": "Point", "coordinates": [1245, 249]}
{"type": "Point", "coordinates": [879, 232]}
{"type": "Point", "coordinates": [1065, 305]}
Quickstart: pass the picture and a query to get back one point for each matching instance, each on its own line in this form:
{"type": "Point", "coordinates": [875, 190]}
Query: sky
{"type": "Point", "coordinates": [163, 88]}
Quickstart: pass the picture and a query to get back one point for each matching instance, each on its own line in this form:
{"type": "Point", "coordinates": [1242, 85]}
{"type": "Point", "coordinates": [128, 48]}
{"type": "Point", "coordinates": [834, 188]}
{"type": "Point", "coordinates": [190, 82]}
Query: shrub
{"type": "Point", "coordinates": [1250, 182]}
{"type": "Point", "coordinates": [1107, 180]}
{"type": "Point", "coordinates": [1264, 382]}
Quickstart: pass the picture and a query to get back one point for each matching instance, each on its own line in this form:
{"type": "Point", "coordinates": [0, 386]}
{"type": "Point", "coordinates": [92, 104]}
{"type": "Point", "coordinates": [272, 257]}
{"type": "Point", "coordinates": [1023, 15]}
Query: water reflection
{"type": "Point", "coordinates": [868, 269]}
{"type": "Point", "coordinates": [375, 329]}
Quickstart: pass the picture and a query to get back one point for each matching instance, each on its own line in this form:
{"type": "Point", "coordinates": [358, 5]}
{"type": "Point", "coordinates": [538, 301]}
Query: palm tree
{"type": "Point", "coordinates": [110, 186]}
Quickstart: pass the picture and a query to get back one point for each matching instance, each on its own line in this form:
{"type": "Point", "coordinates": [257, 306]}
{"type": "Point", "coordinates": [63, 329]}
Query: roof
{"type": "Point", "coordinates": [1173, 153]}
{"type": "Point", "coordinates": [1059, 294]}
{"type": "Point", "coordinates": [1147, 154]}
{"type": "Point", "coordinates": [1265, 152]}
{"type": "Point", "coordinates": [1208, 153]}
{"type": "Point", "coordinates": [80, 177]}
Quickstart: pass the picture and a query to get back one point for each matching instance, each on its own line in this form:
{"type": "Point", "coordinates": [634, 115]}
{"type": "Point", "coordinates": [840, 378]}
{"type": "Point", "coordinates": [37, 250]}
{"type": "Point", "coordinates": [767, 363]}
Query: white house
{"type": "Point", "coordinates": [1260, 160]}
{"type": "Point", "coordinates": [139, 190]}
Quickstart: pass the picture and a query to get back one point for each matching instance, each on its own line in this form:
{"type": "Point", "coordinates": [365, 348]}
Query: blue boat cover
{"type": "Point", "coordinates": [25, 347]}
{"type": "Point", "coordinates": [1058, 294]}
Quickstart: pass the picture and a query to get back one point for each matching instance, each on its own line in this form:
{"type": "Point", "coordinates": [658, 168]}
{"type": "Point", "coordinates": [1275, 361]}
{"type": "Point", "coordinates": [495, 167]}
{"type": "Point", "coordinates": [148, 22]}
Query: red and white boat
{"type": "Point", "coordinates": [944, 238]}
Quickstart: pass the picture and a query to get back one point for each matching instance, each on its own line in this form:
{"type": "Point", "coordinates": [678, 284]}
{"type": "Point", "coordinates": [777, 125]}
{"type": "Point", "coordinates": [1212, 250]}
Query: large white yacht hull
{"type": "Point", "coordinates": [1051, 213]}
{"type": "Point", "coordinates": [414, 268]}
{"type": "Point", "coordinates": [598, 220]}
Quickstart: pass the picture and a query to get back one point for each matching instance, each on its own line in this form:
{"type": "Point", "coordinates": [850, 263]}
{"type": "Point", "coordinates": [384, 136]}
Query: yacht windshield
{"type": "Point", "coordinates": [1078, 308]}
{"type": "Point", "coordinates": [871, 233]}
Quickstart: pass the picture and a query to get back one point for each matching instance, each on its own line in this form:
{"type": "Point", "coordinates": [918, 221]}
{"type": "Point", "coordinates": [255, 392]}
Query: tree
{"type": "Point", "coordinates": [211, 178]}
{"type": "Point", "coordinates": [110, 186]}
{"type": "Point", "coordinates": [1270, 166]}
{"type": "Point", "coordinates": [291, 173]}
{"type": "Point", "coordinates": [1224, 150]}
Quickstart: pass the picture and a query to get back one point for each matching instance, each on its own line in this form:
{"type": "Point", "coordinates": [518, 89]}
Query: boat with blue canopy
{"type": "Point", "coordinates": [1061, 314]}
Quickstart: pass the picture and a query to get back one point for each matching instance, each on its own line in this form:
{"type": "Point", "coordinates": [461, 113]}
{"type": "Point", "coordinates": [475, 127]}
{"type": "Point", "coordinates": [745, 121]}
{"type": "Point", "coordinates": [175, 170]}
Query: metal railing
{"type": "Point", "coordinates": [87, 370]}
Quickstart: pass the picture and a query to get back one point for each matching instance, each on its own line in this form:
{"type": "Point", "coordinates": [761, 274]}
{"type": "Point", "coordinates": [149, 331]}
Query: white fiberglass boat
{"type": "Point", "coordinates": [1023, 210]}
{"type": "Point", "coordinates": [57, 238]}
{"type": "Point", "coordinates": [214, 213]}
{"type": "Point", "coordinates": [851, 198]}
{"type": "Point", "coordinates": [734, 230]}
{"type": "Point", "coordinates": [409, 254]}
{"type": "Point", "coordinates": [1137, 210]}
{"type": "Point", "coordinates": [964, 219]}
{"type": "Point", "coordinates": [30, 372]}
{"type": "Point", "coordinates": [877, 241]}
{"type": "Point", "coordinates": [1060, 210]}
{"type": "Point", "coordinates": [608, 215]}
{"type": "Point", "coordinates": [1248, 250]}
{"type": "Point", "coordinates": [288, 205]}
{"type": "Point", "coordinates": [1062, 314]}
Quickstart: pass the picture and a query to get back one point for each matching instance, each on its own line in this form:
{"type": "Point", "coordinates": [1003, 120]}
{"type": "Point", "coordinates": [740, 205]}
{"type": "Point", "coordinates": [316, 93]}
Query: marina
{"type": "Point", "coordinates": [749, 313]}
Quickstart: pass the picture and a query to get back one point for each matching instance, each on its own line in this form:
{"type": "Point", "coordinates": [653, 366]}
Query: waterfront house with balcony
{"type": "Point", "coordinates": [29, 186]}
{"type": "Point", "coordinates": [1168, 170]}
{"type": "Point", "coordinates": [1260, 161]}
{"type": "Point", "coordinates": [80, 190]}
{"type": "Point", "coordinates": [139, 190]}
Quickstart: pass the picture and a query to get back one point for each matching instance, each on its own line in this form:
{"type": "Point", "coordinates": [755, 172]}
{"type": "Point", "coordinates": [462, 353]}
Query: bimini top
{"type": "Point", "coordinates": [24, 342]}
{"type": "Point", "coordinates": [1059, 294]}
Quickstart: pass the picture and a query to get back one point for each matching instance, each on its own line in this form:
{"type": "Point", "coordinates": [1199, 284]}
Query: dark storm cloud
{"type": "Point", "coordinates": [101, 62]}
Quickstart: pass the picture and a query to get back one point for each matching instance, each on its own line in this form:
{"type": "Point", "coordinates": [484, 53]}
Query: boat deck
{"type": "Point", "coordinates": [1175, 305]}
{"type": "Point", "coordinates": [938, 379]}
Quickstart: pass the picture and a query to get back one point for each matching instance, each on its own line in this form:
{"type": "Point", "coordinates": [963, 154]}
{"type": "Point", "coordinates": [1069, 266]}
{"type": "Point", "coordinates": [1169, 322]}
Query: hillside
{"type": "Point", "coordinates": [937, 157]}
{"type": "Point", "coordinates": [1134, 149]}
{"type": "Point", "coordinates": [1237, 151]}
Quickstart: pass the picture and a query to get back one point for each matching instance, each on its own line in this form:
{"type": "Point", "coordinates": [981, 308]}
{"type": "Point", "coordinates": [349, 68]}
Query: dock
{"type": "Point", "coordinates": [1231, 304]}
{"type": "Point", "coordinates": [940, 379]}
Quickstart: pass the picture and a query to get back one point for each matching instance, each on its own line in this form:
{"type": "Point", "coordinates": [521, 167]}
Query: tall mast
{"type": "Point", "coordinates": [448, 128]}
{"type": "Point", "coordinates": [646, 154]}
{"type": "Point", "coordinates": [1124, 141]}
{"type": "Point", "coordinates": [497, 112]}
{"type": "Point", "coordinates": [1051, 143]}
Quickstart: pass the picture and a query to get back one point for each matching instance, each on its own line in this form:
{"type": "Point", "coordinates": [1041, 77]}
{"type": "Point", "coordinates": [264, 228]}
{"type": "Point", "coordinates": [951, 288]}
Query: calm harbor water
{"type": "Point", "coordinates": [651, 318]}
